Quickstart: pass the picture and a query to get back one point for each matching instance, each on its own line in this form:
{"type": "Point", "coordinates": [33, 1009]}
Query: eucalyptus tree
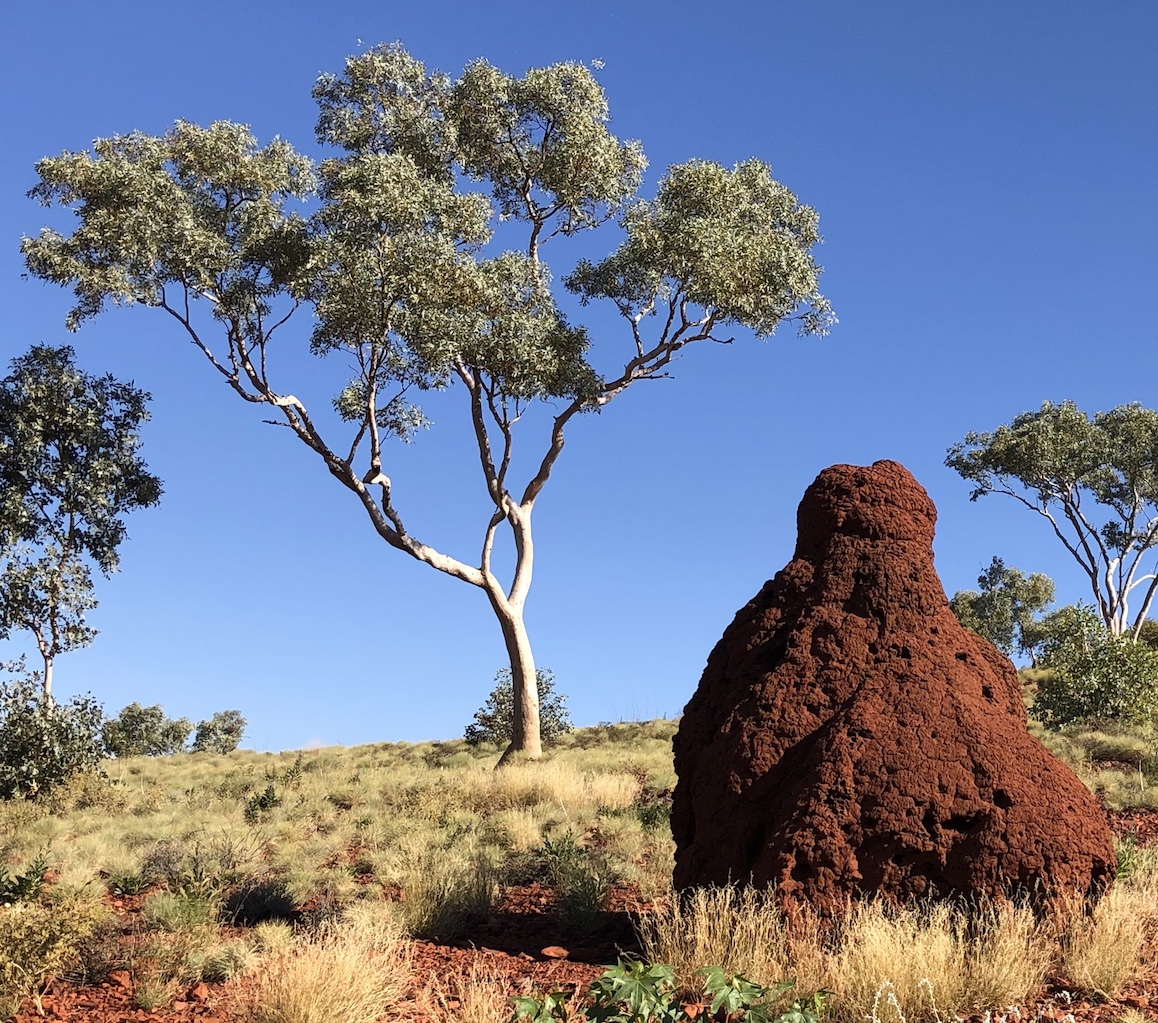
{"type": "Point", "coordinates": [1006, 608]}
{"type": "Point", "coordinates": [398, 261]}
{"type": "Point", "coordinates": [1094, 479]}
{"type": "Point", "coordinates": [69, 471]}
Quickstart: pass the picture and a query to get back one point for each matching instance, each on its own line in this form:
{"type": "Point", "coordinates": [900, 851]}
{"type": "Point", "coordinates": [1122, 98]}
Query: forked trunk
{"type": "Point", "coordinates": [526, 739]}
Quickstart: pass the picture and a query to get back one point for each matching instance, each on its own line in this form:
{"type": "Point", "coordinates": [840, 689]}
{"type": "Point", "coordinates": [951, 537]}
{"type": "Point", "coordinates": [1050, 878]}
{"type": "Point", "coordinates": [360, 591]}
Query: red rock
{"type": "Point", "coordinates": [198, 992]}
{"type": "Point", "coordinates": [121, 979]}
{"type": "Point", "coordinates": [555, 952]}
{"type": "Point", "coordinates": [848, 736]}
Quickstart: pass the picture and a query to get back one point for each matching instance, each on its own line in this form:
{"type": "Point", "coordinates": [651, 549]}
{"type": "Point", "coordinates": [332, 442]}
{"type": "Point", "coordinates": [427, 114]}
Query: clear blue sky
{"type": "Point", "coordinates": [985, 176]}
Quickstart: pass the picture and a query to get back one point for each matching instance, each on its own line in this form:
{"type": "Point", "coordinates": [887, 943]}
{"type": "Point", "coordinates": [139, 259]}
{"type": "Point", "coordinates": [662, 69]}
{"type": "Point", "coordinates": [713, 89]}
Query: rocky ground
{"type": "Point", "coordinates": [525, 943]}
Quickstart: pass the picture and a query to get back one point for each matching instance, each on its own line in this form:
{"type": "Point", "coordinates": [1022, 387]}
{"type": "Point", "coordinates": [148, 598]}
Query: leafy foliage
{"type": "Point", "coordinates": [1094, 479]}
{"type": "Point", "coordinates": [145, 732]}
{"type": "Point", "coordinates": [69, 471]}
{"type": "Point", "coordinates": [1095, 676]}
{"type": "Point", "coordinates": [220, 734]}
{"type": "Point", "coordinates": [638, 992]}
{"type": "Point", "coordinates": [261, 803]}
{"type": "Point", "coordinates": [1005, 609]}
{"type": "Point", "coordinates": [494, 721]}
{"type": "Point", "coordinates": [25, 887]}
{"type": "Point", "coordinates": [37, 941]}
{"type": "Point", "coordinates": [43, 744]}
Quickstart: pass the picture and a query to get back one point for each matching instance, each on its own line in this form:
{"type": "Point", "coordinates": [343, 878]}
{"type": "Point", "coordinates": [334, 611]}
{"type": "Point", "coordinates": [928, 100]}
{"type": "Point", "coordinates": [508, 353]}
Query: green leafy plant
{"type": "Point", "coordinates": [261, 803]}
{"type": "Point", "coordinates": [145, 732]}
{"type": "Point", "coordinates": [127, 882]}
{"type": "Point", "coordinates": [220, 734]}
{"type": "Point", "coordinates": [494, 722]}
{"type": "Point", "coordinates": [44, 744]}
{"type": "Point", "coordinates": [639, 992]}
{"type": "Point", "coordinates": [23, 887]}
{"type": "Point", "coordinates": [635, 991]}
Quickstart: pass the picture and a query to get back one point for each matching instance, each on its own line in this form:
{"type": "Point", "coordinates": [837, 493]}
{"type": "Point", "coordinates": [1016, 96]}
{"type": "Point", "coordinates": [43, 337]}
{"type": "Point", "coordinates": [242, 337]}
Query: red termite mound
{"type": "Point", "coordinates": [850, 737]}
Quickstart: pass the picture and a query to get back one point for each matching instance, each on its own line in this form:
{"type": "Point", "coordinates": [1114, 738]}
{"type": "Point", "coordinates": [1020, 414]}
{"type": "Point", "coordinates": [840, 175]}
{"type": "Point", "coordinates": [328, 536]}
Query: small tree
{"type": "Point", "coordinates": [145, 732]}
{"type": "Point", "coordinates": [1094, 480]}
{"type": "Point", "coordinates": [1094, 676]}
{"type": "Point", "coordinates": [220, 734]}
{"type": "Point", "coordinates": [69, 471]}
{"type": "Point", "coordinates": [1006, 607]}
{"type": "Point", "coordinates": [495, 720]}
{"type": "Point", "coordinates": [44, 743]}
{"type": "Point", "coordinates": [397, 269]}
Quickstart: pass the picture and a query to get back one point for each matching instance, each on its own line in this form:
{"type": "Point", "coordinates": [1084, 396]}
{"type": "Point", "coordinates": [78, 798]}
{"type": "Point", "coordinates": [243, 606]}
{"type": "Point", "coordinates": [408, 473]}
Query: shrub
{"type": "Point", "coordinates": [495, 720]}
{"type": "Point", "coordinates": [258, 899]}
{"type": "Point", "coordinates": [220, 734]}
{"type": "Point", "coordinates": [1095, 676]}
{"type": "Point", "coordinates": [44, 744]}
{"type": "Point", "coordinates": [145, 732]}
{"type": "Point", "coordinates": [35, 942]}
{"type": "Point", "coordinates": [24, 887]}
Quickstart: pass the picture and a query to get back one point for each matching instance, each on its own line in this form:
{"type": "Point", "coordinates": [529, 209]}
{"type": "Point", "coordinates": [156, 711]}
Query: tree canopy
{"type": "Point", "coordinates": [1005, 609]}
{"type": "Point", "coordinates": [1094, 479]}
{"type": "Point", "coordinates": [69, 471]}
{"type": "Point", "coordinates": [412, 274]}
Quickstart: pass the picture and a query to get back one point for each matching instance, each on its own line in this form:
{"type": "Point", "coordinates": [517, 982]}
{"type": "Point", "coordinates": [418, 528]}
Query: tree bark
{"type": "Point", "coordinates": [48, 678]}
{"type": "Point", "coordinates": [526, 739]}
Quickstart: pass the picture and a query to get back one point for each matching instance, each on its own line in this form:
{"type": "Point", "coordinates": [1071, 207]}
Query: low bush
{"type": "Point", "coordinates": [1101, 949]}
{"type": "Point", "coordinates": [43, 743]}
{"type": "Point", "coordinates": [36, 941]}
{"type": "Point", "coordinates": [1094, 676]}
{"type": "Point", "coordinates": [257, 899]}
{"type": "Point", "coordinates": [444, 895]}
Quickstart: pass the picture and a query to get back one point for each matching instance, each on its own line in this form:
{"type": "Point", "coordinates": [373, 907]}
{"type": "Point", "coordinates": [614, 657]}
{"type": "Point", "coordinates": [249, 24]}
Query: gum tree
{"type": "Point", "coordinates": [1094, 479]}
{"type": "Point", "coordinates": [419, 258]}
{"type": "Point", "coordinates": [69, 472]}
{"type": "Point", "coordinates": [1005, 609]}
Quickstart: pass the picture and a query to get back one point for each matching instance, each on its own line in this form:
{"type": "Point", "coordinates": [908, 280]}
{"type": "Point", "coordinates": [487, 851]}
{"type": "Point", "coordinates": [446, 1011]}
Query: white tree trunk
{"type": "Point", "coordinates": [48, 678]}
{"type": "Point", "coordinates": [526, 739]}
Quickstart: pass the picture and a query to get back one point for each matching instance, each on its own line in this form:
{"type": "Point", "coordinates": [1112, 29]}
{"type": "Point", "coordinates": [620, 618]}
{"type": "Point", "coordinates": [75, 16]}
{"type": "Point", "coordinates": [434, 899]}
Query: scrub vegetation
{"type": "Point", "coordinates": [299, 886]}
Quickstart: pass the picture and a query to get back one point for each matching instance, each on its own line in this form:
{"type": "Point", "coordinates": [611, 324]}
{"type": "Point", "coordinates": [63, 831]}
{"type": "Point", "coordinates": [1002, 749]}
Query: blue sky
{"type": "Point", "coordinates": [984, 174]}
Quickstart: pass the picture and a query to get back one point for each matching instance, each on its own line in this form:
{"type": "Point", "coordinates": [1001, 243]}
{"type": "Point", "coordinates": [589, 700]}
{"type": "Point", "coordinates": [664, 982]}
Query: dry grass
{"type": "Point", "coordinates": [443, 892]}
{"type": "Point", "coordinates": [991, 958]}
{"type": "Point", "coordinates": [736, 928]}
{"type": "Point", "coordinates": [349, 973]}
{"type": "Point", "coordinates": [1102, 950]}
{"type": "Point", "coordinates": [937, 960]}
{"type": "Point", "coordinates": [476, 997]}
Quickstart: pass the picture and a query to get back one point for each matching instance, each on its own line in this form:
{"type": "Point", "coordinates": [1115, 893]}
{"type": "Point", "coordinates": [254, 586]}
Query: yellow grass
{"type": "Point", "coordinates": [344, 974]}
{"type": "Point", "coordinates": [1102, 950]}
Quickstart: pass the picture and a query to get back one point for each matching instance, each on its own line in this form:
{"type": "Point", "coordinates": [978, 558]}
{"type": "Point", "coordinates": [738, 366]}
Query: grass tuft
{"type": "Point", "coordinates": [346, 973]}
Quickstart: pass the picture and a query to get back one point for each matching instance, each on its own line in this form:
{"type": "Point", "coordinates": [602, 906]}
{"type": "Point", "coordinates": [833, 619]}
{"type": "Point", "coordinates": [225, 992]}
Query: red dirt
{"type": "Point", "coordinates": [511, 945]}
{"type": "Point", "coordinates": [848, 736]}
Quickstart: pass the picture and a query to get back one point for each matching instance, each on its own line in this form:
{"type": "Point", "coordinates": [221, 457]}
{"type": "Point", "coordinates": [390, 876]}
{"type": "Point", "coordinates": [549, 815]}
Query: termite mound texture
{"type": "Point", "coordinates": [849, 737]}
